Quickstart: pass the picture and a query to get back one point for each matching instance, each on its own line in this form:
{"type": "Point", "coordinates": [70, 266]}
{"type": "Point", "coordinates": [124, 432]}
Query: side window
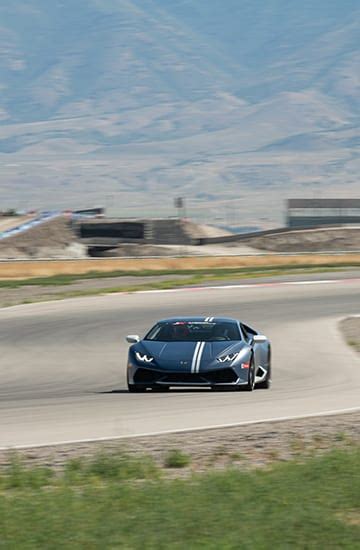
{"type": "Point", "coordinates": [248, 331]}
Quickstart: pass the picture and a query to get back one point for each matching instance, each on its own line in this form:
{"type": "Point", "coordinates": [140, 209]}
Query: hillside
{"type": "Point", "coordinates": [129, 104]}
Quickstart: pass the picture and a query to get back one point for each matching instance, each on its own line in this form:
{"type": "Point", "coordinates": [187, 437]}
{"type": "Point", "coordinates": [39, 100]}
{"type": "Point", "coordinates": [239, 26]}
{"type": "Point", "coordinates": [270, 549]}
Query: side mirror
{"type": "Point", "coordinates": [259, 339]}
{"type": "Point", "coordinates": [133, 339]}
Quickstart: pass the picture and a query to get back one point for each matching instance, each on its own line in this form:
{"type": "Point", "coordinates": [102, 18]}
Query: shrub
{"type": "Point", "coordinates": [177, 459]}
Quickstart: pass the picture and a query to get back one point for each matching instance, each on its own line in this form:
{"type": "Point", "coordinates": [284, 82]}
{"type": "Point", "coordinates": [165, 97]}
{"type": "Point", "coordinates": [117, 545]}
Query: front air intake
{"type": "Point", "coordinates": [221, 376]}
{"type": "Point", "coordinates": [145, 376]}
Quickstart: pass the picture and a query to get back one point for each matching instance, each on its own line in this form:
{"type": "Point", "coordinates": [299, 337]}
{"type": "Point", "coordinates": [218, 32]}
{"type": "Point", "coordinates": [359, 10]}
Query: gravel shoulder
{"type": "Point", "coordinates": [257, 445]}
{"type": "Point", "coordinates": [350, 327]}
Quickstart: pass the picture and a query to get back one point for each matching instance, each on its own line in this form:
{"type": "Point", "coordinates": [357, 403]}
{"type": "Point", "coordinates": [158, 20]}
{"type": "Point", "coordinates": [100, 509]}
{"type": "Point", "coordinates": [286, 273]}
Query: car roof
{"type": "Point", "coordinates": [198, 319]}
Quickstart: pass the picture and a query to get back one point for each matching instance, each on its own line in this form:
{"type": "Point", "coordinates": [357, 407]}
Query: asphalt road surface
{"type": "Point", "coordinates": [62, 371]}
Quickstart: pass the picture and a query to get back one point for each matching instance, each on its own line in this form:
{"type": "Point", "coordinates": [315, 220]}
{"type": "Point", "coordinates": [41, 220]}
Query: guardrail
{"type": "Point", "coordinates": [22, 228]}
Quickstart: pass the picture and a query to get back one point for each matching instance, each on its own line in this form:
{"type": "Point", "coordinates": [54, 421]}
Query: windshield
{"type": "Point", "coordinates": [194, 331]}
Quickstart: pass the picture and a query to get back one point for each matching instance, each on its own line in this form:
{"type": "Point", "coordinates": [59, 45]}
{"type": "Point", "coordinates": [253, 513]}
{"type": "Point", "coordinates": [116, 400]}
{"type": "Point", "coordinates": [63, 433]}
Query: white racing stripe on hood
{"type": "Point", "coordinates": [199, 356]}
{"type": "Point", "coordinates": [195, 356]}
{"type": "Point", "coordinates": [199, 349]}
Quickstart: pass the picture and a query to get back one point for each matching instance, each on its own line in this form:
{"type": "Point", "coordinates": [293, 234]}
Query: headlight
{"type": "Point", "coordinates": [227, 358]}
{"type": "Point", "coordinates": [144, 358]}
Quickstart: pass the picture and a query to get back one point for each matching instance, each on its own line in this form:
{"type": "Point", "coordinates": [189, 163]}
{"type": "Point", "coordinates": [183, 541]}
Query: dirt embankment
{"type": "Point", "coordinates": [52, 239]}
{"type": "Point", "coordinates": [10, 222]}
{"type": "Point", "coordinates": [337, 239]}
{"type": "Point", "coordinates": [58, 239]}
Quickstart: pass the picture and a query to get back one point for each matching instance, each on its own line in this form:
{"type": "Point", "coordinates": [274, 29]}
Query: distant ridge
{"type": "Point", "coordinates": [230, 103]}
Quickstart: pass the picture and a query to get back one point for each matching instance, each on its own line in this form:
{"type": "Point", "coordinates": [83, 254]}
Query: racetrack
{"type": "Point", "coordinates": [62, 375]}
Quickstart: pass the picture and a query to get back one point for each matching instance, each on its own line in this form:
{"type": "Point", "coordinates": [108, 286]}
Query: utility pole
{"type": "Point", "coordinates": [179, 204]}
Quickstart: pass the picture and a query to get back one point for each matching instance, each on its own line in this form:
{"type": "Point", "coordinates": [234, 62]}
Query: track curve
{"type": "Point", "coordinates": [62, 375]}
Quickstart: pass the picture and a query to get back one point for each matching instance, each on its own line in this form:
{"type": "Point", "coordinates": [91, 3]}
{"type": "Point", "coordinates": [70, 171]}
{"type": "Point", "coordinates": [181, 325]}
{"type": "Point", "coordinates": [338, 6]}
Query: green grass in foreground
{"type": "Point", "coordinates": [210, 273]}
{"type": "Point", "coordinates": [117, 502]}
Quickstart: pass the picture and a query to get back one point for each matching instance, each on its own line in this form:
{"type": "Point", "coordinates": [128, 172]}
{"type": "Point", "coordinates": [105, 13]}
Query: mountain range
{"type": "Point", "coordinates": [234, 104]}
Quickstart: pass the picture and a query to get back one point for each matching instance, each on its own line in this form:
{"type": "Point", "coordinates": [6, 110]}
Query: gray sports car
{"type": "Point", "coordinates": [212, 352]}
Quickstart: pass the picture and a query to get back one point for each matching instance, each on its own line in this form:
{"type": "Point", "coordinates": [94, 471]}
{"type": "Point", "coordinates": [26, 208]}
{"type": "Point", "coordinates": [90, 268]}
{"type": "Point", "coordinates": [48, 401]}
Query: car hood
{"type": "Point", "coordinates": [174, 355]}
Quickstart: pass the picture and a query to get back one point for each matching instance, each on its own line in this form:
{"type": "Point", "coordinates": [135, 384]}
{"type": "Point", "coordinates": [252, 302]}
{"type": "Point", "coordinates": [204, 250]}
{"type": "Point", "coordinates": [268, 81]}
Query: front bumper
{"type": "Point", "coordinates": [147, 376]}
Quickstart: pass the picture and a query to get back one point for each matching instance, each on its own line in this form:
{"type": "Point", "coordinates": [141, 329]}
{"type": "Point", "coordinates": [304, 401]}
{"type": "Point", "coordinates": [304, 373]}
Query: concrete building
{"type": "Point", "coordinates": [319, 212]}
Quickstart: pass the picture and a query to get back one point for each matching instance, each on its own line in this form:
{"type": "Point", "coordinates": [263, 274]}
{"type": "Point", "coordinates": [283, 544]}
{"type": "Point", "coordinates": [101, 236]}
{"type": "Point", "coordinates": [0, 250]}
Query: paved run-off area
{"type": "Point", "coordinates": [248, 446]}
{"type": "Point", "coordinates": [63, 363]}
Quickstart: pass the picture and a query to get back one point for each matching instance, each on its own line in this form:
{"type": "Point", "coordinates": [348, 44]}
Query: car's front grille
{"type": "Point", "coordinates": [183, 378]}
{"type": "Point", "coordinates": [220, 376]}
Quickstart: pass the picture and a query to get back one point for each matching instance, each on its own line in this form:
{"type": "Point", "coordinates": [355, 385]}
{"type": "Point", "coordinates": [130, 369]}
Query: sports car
{"type": "Point", "coordinates": [214, 352]}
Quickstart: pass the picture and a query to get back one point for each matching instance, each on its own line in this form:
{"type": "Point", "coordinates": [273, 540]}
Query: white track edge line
{"type": "Point", "coordinates": [182, 430]}
{"type": "Point", "coordinates": [183, 289]}
{"type": "Point", "coordinates": [249, 285]}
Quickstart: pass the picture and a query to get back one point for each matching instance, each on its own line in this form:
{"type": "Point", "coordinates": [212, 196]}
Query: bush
{"type": "Point", "coordinates": [121, 467]}
{"type": "Point", "coordinates": [176, 459]}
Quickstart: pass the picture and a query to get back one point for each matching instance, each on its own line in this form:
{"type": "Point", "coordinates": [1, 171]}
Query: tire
{"type": "Point", "coordinates": [266, 384]}
{"type": "Point", "coordinates": [136, 389]}
{"type": "Point", "coordinates": [250, 386]}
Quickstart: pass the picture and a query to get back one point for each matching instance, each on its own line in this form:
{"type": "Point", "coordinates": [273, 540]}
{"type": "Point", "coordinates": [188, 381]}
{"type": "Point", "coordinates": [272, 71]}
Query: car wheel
{"type": "Point", "coordinates": [266, 384]}
{"type": "Point", "coordinates": [251, 377]}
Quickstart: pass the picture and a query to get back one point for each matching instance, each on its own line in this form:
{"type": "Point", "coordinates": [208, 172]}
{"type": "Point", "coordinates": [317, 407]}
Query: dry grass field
{"type": "Point", "coordinates": [49, 268]}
